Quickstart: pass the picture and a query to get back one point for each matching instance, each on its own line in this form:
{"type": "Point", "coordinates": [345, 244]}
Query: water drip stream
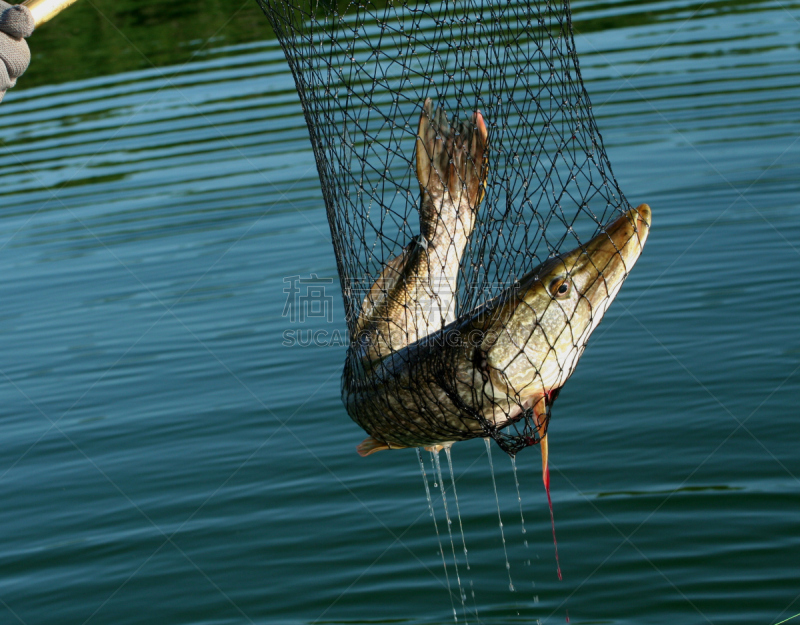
{"type": "Point", "coordinates": [436, 527]}
{"type": "Point", "coordinates": [499, 517]}
{"type": "Point", "coordinates": [461, 594]}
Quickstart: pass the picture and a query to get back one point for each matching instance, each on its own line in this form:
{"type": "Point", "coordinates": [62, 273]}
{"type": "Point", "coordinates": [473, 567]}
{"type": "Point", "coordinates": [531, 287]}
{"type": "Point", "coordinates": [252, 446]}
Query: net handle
{"type": "Point", "coordinates": [44, 10]}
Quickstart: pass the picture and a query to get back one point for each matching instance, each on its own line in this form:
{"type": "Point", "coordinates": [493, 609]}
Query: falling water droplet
{"type": "Point", "coordinates": [435, 525]}
{"type": "Point", "coordinates": [460, 524]}
{"type": "Point", "coordinates": [497, 500]}
{"type": "Point", "coordinates": [519, 496]}
{"type": "Point", "coordinates": [438, 465]}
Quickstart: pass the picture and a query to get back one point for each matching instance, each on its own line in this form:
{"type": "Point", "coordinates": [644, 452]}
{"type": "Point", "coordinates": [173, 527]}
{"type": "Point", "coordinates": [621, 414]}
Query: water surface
{"type": "Point", "coordinates": [167, 459]}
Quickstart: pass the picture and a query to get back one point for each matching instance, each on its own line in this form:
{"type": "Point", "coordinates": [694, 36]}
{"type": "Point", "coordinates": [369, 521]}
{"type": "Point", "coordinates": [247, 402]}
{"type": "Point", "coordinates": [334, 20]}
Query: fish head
{"type": "Point", "coordinates": [586, 280]}
{"type": "Point", "coordinates": [538, 342]}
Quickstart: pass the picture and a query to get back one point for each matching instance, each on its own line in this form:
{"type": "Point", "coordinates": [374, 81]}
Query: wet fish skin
{"type": "Point", "coordinates": [415, 292]}
{"type": "Point", "coordinates": [452, 164]}
{"type": "Point", "coordinates": [509, 355]}
{"type": "Point", "coordinates": [540, 338]}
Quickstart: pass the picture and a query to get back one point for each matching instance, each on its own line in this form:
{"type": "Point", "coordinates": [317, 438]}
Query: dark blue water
{"type": "Point", "coordinates": [167, 459]}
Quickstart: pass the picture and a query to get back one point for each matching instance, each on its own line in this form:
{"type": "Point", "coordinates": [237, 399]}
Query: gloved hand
{"type": "Point", "coordinates": [16, 22]}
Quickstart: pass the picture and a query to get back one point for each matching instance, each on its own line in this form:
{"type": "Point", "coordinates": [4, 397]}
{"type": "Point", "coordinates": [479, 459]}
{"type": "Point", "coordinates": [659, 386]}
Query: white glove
{"type": "Point", "coordinates": [16, 22]}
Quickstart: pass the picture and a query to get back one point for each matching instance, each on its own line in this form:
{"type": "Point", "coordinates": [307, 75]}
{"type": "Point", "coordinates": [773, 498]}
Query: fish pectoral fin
{"type": "Point", "coordinates": [369, 446]}
{"type": "Point", "coordinates": [541, 417]}
{"type": "Point", "coordinates": [545, 458]}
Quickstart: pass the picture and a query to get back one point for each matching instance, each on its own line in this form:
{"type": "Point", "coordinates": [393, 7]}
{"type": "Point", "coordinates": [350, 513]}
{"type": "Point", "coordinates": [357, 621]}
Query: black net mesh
{"type": "Point", "coordinates": [459, 159]}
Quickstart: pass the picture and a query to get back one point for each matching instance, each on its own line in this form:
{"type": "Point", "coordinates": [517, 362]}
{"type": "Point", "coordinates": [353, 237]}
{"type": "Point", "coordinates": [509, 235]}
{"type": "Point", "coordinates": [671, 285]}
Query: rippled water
{"type": "Point", "coordinates": [166, 459]}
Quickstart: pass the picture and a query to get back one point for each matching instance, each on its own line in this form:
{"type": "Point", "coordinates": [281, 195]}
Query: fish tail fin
{"type": "Point", "coordinates": [452, 160]}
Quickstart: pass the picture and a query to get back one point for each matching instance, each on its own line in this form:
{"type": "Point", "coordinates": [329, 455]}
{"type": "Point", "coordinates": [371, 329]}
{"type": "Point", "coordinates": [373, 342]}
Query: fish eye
{"type": "Point", "coordinates": [559, 287]}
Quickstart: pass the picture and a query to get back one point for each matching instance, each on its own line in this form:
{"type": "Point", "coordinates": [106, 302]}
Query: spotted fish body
{"type": "Point", "coordinates": [508, 356]}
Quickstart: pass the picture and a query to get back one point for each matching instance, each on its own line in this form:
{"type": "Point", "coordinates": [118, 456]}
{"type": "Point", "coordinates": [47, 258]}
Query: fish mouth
{"type": "Point", "coordinates": [600, 266]}
{"type": "Point", "coordinates": [591, 276]}
{"type": "Point", "coordinates": [623, 238]}
{"type": "Point", "coordinates": [628, 233]}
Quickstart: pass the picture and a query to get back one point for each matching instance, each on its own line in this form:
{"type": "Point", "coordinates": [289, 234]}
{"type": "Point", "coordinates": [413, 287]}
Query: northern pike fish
{"type": "Point", "coordinates": [407, 388]}
{"type": "Point", "coordinates": [415, 294]}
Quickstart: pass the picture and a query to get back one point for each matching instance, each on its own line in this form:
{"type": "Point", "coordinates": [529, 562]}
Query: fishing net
{"type": "Point", "coordinates": [457, 152]}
